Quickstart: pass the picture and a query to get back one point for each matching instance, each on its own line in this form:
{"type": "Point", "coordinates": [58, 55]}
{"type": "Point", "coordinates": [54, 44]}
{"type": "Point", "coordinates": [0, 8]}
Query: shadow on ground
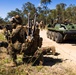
{"type": "Point", "coordinates": [69, 41]}
{"type": "Point", "coordinates": [48, 61]}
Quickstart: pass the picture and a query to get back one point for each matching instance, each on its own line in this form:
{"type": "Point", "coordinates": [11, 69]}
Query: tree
{"type": "Point", "coordinates": [39, 10]}
{"type": "Point", "coordinates": [45, 8]}
{"type": "Point", "coordinates": [14, 12]}
{"type": "Point", "coordinates": [60, 8]}
{"type": "Point", "coordinates": [71, 13]}
{"type": "Point", "coordinates": [2, 21]}
{"type": "Point", "coordinates": [29, 8]}
{"type": "Point", "coordinates": [45, 2]}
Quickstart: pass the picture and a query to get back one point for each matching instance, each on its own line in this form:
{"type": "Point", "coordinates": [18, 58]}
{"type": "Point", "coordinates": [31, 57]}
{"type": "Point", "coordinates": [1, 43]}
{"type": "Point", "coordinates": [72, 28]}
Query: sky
{"type": "Point", "coordinates": [9, 5]}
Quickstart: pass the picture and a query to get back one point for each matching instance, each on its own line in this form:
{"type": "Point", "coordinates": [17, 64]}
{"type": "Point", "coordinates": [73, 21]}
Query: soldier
{"type": "Point", "coordinates": [70, 22]}
{"type": "Point", "coordinates": [41, 25]}
{"type": "Point", "coordinates": [66, 21]}
{"type": "Point", "coordinates": [16, 19]}
{"type": "Point", "coordinates": [16, 38]}
{"type": "Point", "coordinates": [55, 22]}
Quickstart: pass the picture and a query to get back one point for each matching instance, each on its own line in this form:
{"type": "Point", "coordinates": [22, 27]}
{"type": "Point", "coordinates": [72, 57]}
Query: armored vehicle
{"type": "Point", "coordinates": [61, 32]}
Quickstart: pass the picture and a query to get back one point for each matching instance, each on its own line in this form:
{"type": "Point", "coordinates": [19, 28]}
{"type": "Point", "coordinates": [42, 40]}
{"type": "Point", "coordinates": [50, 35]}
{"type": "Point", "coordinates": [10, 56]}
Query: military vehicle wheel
{"type": "Point", "coordinates": [58, 37]}
{"type": "Point", "coordinates": [53, 36]}
{"type": "Point", "coordinates": [47, 34]}
{"type": "Point", "coordinates": [50, 34]}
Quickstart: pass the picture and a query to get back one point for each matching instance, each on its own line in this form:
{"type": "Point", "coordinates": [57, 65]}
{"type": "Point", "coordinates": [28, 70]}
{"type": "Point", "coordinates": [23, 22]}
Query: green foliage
{"type": "Point", "coordinates": [2, 21]}
{"type": "Point", "coordinates": [2, 38]}
{"type": "Point", "coordinates": [45, 1]}
{"type": "Point", "coordinates": [29, 7]}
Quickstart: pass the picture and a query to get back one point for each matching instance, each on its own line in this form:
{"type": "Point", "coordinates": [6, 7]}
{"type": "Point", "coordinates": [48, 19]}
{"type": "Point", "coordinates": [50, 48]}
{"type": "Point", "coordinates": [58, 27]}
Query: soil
{"type": "Point", "coordinates": [65, 57]}
{"type": "Point", "coordinates": [65, 50]}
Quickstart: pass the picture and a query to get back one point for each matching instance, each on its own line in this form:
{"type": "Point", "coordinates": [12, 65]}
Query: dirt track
{"type": "Point", "coordinates": [66, 51]}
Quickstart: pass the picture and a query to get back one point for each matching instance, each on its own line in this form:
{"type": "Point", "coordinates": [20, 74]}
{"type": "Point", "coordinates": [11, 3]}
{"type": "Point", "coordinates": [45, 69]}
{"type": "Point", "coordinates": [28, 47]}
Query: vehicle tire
{"type": "Point", "coordinates": [50, 34]}
{"type": "Point", "coordinates": [58, 37]}
{"type": "Point", "coordinates": [47, 34]}
{"type": "Point", "coordinates": [53, 36]}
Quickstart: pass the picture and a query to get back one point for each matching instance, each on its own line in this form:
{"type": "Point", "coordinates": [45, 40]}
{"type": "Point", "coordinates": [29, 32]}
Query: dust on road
{"type": "Point", "coordinates": [66, 51]}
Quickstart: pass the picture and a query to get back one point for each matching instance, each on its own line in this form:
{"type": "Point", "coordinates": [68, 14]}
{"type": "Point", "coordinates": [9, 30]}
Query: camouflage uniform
{"type": "Point", "coordinates": [15, 43]}
{"type": "Point", "coordinates": [30, 48]}
{"type": "Point", "coordinates": [16, 38]}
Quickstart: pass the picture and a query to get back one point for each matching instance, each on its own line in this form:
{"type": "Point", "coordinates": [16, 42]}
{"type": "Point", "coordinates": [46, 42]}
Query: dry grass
{"type": "Point", "coordinates": [62, 68]}
{"type": "Point", "coordinates": [2, 37]}
{"type": "Point", "coordinates": [36, 70]}
{"type": "Point", "coordinates": [26, 69]}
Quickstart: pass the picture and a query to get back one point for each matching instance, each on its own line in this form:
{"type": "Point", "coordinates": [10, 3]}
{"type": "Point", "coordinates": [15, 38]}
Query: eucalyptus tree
{"type": "Point", "coordinates": [2, 21]}
{"type": "Point", "coordinates": [14, 12]}
{"type": "Point", "coordinates": [29, 8]}
{"type": "Point", "coordinates": [74, 14]}
{"type": "Point", "coordinates": [53, 14]}
{"type": "Point", "coordinates": [39, 10]}
{"type": "Point", "coordinates": [60, 9]}
{"type": "Point", "coordinates": [40, 13]}
{"type": "Point", "coordinates": [71, 13]}
{"type": "Point", "coordinates": [44, 3]}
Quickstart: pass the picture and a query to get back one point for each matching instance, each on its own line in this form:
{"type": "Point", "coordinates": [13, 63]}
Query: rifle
{"type": "Point", "coordinates": [28, 24]}
{"type": "Point", "coordinates": [35, 15]}
{"type": "Point", "coordinates": [31, 27]}
{"type": "Point", "coordinates": [34, 24]}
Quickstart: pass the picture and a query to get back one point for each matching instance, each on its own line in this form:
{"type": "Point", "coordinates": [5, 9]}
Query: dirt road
{"type": "Point", "coordinates": [66, 51]}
